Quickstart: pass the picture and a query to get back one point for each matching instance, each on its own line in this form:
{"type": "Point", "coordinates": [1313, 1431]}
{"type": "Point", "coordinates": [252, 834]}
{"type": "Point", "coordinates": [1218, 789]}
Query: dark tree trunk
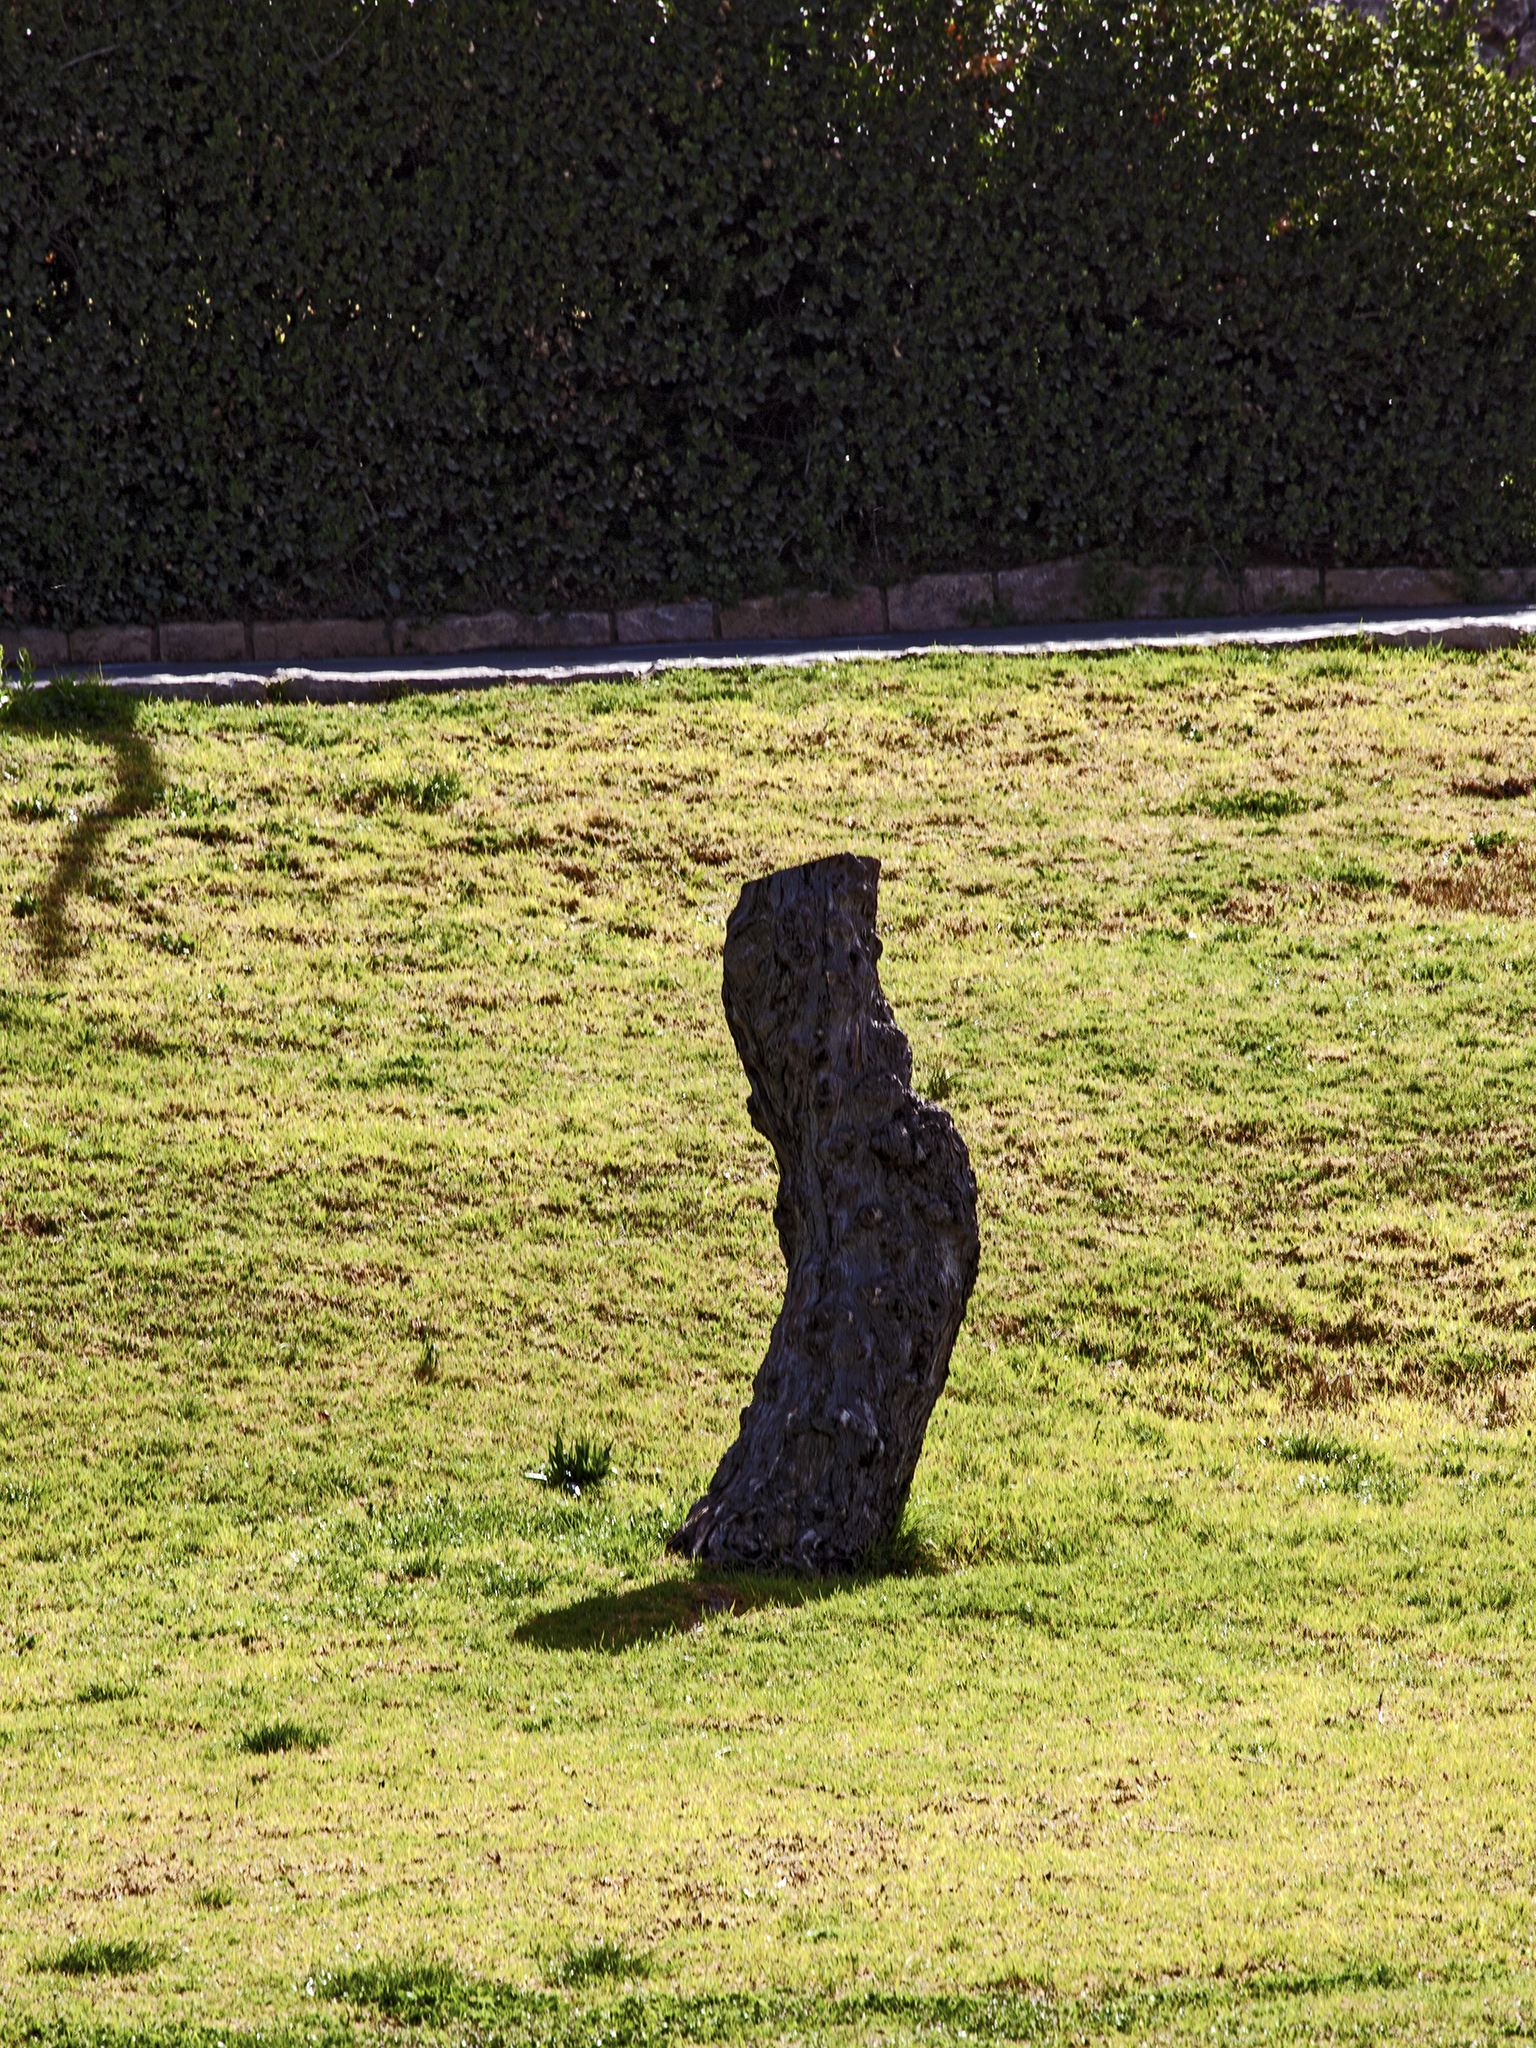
{"type": "Point", "coordinates": [877, 1220]}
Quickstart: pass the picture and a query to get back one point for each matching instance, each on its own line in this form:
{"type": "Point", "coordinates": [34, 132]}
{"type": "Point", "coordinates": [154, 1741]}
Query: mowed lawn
{"type": "Point", "coordinates": [367, 1112]}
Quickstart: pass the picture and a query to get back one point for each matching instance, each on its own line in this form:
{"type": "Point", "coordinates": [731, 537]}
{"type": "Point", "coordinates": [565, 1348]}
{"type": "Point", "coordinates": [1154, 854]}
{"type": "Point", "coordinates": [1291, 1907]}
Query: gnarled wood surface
{"type": "Point", "coordinates": [877, 1220]}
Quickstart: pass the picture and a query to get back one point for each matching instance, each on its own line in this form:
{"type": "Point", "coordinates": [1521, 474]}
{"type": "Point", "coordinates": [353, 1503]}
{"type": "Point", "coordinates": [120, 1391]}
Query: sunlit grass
{"type": "Point", "coordinates": [370, 1120]}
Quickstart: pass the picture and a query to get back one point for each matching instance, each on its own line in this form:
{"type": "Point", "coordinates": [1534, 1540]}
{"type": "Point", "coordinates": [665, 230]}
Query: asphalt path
{"type": "Point", "coordinates": [368, 681]}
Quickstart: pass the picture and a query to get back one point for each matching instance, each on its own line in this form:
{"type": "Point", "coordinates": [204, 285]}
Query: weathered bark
{"type": "Point", "coordinates": [876, 1217]}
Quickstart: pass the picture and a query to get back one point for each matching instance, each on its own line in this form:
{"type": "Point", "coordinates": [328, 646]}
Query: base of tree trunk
{"type": "Point", "coordinates": [876, 1217]}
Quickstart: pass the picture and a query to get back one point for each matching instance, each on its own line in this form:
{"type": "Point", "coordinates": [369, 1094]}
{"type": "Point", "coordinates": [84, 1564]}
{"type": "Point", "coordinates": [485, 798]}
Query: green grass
{"type": "Point", "coordinates": [369, 1116]}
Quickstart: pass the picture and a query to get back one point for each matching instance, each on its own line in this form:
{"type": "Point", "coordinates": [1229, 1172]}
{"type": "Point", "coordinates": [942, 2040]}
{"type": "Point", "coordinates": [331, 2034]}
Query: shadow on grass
{"type": "Point", "coordinates": [96, 712]}
{"type": "Point", "coordinates": [669, 1607]}
{"type": "Point", "coordinates": [273, 1738]}
{"type": "Point", "coordinates": [88, 1957]}
{"type": "Point", "coordinates": [423, 1990]}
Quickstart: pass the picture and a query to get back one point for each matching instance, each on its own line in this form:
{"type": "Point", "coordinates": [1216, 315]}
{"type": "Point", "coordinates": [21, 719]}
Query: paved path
{"type": "Point", "coordinates": [338, 682]}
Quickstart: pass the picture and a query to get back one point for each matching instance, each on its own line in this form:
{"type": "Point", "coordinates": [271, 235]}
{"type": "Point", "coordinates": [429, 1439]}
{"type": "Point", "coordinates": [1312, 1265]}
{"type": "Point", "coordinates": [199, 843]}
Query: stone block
{"type": "Point", "coordinates": [320, 640]}
{"type": "Point", "coordinates": [1512, 586]}
{"type": "Point", "coordinates": [591, 629]}
{"type": "Point", "coordinates": [465, 633]}
{"type": "Point", "coordinates": [1048, 590]}
{"type": "Point", "coordinates": [197, 641]}
{"type": "Point", "coordinates": [1368, 588]}
{"type": "Point", "coordinates": [804, 615]}
{"type": "Point", "coordinates": [1482, 636]}
{"type": "Point", "coordinates": [941, 604]}
{"type": "Point", "coordinates": [1282, 590]}
{"type": "Point", "coordinates": [1479, 635]}
{"type": "Point", "coordinates": [109, 646]}
{"type": "Point", "coordinates": [643, 623]}
{"type": "Point", "coordinates": [47, 649]}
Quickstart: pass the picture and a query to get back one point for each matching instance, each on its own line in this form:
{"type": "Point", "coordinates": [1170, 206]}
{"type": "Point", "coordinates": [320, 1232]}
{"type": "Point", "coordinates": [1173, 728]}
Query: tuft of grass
{"type": "Point", "coordinates": [34, 810]}
{"type": "Point", "coordinates": [600, 1962]}
{"type": "Point", "coordinates": [578, 1466]}
{"type": "Point", "coordinates": [69, 703]}
{"type": "Point", "coordinates": [24, 905]}
{"type": "Point", "coordinates": [437, 791]}
{"type": "Point", "coordinates": [23, 677]}
{"type": "Point", "coordinates": [427, 1369]}
{"type": "Point", "coordinates": [1352, 1468]}
{"type": "Point", "coordinates": [103, 1692]}
{"type": "Point", "coordinates": [272, 1738]}
{"type": "Point", "coordinates": [213, 1898]}
{"type": "Point", "coordinates": [1257, 803]}
{"type": "Point", "coordinates": [1358, 874]}
{"type": "Point", "coordinates": [88, 1956]}
{"type": "Point", "coordinates": [938, 1082]}
{"type": "Point", "coordinates": [186, 800]}
{"type": "Point", "coordinates": [421, 1989]}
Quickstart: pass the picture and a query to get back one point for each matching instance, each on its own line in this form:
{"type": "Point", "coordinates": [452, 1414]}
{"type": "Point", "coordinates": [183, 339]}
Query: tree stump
{"type": "Point", "coordinates": [876, 1216]}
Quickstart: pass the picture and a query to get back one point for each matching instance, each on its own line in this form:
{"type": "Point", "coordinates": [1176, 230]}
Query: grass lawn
{"type": "Point", "coordinates": [367, 1113]}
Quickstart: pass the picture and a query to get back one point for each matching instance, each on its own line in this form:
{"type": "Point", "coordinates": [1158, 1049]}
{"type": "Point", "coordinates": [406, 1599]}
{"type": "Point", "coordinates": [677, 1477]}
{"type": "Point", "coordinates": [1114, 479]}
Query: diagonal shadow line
{"type": "Point", "coordinates": [138, 789]}
{"type": "Point", "coordinates": [616, 1622]}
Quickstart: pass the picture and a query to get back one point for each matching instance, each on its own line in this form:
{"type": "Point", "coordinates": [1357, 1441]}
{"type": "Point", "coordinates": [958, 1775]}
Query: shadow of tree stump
{"type": "Point", "coordinates": [97, 712]}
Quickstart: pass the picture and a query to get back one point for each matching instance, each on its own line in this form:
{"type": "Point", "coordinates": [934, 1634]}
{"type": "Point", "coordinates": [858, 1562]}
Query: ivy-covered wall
{"type": "Point", "coordinates": [309, 304]}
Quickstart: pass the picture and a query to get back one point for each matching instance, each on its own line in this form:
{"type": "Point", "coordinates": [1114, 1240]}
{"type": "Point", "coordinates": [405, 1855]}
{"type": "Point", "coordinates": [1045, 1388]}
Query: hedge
{"type": "Point", "coordinates": [311, 305]}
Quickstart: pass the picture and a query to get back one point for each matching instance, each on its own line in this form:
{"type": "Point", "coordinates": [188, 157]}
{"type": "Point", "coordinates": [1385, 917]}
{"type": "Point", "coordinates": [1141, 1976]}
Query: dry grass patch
{"type": "Point", "coordinates": [1493, 877]}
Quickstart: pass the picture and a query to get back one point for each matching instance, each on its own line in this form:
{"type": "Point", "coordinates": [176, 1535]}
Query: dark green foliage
{"type": "Point", "coordinates": [577, 1466]}
{"type": "Point", "coordinates": [471, 301]}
